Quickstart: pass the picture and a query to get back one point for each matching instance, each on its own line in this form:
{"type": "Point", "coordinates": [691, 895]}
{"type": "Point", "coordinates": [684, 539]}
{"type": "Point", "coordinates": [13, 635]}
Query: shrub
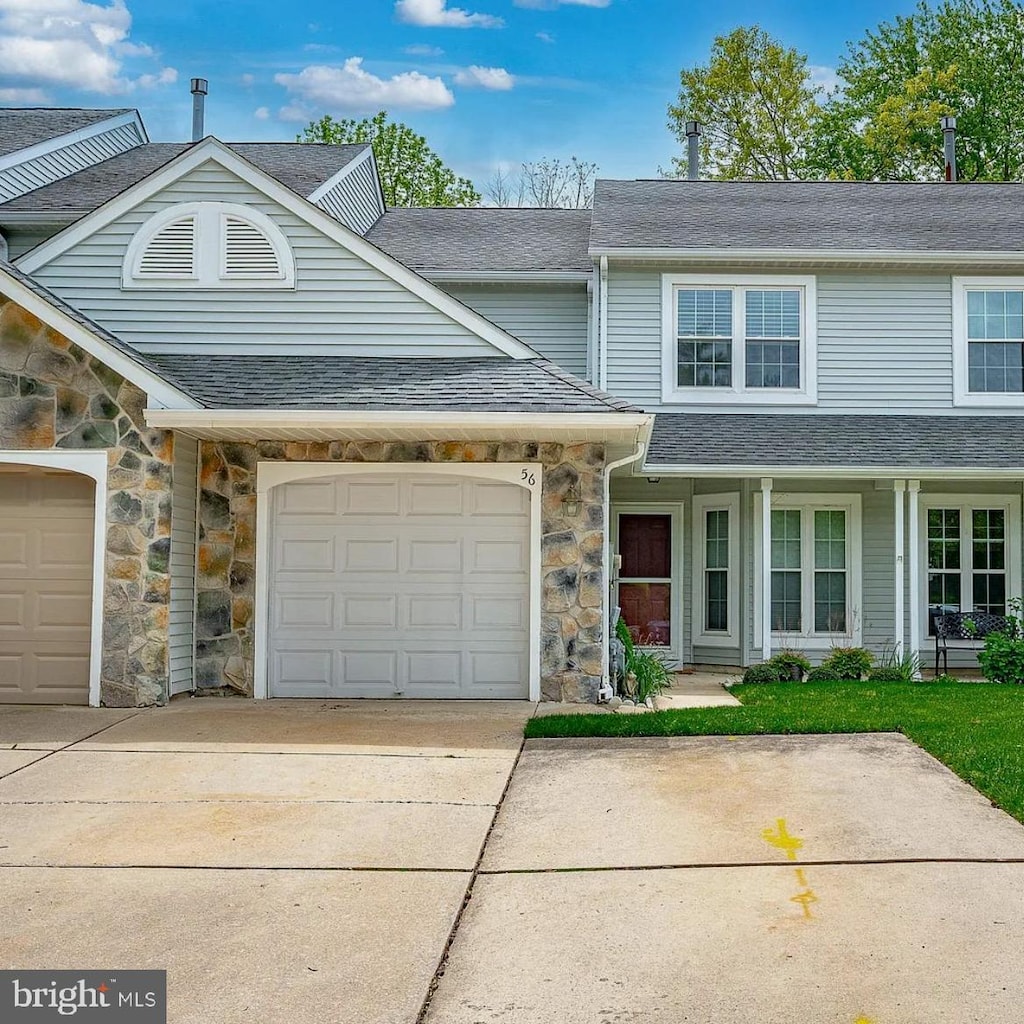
{"type": "Point", "coordinates": [887, 674]}
{"type": "Point", "coordinates": [623, 633]}
{"type": "Point", "coordinates": [849, 662]}
{"type": "Point", "coordinates": [766, 672]}
{"type": "Point", "coordinates": [787, 661]}
{"type": "Point", "coordinates": [651, 674]}
{"type": "Point", "coordinates": [1002, 660]}
{"type": "Point", "coordinates": [823, 674]}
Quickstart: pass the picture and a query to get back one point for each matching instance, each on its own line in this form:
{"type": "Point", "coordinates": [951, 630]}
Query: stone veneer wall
{"type": "Point", "coordinates": [54, 395]}
{"type": "Point", "coordinates": [571, 555]}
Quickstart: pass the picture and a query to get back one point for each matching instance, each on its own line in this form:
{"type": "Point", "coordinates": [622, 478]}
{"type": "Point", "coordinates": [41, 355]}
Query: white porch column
{"type": "Point", "coordinates": [899, 575]}
{"type": "Point", "coordinates": [766, 567]}
{"type": "Point", "coordinates": [914, 564]}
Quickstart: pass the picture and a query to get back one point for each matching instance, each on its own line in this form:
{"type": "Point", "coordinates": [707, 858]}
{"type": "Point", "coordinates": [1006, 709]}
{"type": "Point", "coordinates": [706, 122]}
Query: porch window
{"type": "Point", "coordinates": [744, 338]}
{"type": "Point", "coordinates": [967, 560]}
{"type": "Point", "coordinates": [716, 568]}
{"type": "Point", "coordinates": [815, 566]}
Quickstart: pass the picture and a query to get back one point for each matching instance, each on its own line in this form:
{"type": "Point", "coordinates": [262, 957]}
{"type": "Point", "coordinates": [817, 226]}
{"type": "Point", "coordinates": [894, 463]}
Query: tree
{"type": "Point", "coordinates": [963, 57]}
{"type": "Point", "coordinates": [755, 101]}
{"type": "Point", "coordinates": [567, 185]}
{"type": "Point", "coordinates": [411, 173]}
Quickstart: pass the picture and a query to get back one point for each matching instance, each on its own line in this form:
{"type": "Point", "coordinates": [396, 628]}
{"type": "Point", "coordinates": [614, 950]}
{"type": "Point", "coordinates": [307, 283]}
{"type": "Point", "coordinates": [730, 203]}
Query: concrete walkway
{"type": "Point", "coordinates": [370, 862]}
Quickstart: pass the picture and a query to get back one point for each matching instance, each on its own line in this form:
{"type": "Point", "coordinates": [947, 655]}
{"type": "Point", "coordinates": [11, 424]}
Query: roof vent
{"type": "Point", "coordinates": [200, 87]}
{"type": "Point", "coordinates": [693, 134]}
{"type": "Point", "coordinates": [949, 144]}
{"type": "Point", "coordinates": [170, 252]}
{"type": "Point", "coordinates": [248, 252]}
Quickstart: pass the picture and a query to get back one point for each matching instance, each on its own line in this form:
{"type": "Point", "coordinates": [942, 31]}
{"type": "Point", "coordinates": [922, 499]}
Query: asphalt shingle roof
{"type": "Point", "coordinates": [357, 383]}
{"type": "Point", "coordinates": [808, 215]}
{"type": "Point", "coordinates": [759, 439]}
{"type": "Point", "coordinates": [21, 127]}
{"type": "Point", "coordinates": [485, 238]}
{"type": "Point", "coordinates": [300, 166]}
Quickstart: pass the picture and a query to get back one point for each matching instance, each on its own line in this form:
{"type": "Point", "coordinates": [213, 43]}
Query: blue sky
{"type": "Point", "coordinates": [489, 82]}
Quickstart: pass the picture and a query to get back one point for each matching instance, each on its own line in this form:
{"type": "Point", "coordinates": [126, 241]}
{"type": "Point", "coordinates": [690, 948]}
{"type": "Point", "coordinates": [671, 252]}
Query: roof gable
{"type": "Point", "coordinates": [416, 305]}
{"type": "Point", "coordinates": [22, 128]}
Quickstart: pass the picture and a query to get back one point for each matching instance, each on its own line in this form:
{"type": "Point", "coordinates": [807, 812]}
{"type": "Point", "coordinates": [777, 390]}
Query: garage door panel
{"type": "Point", "coordinates": [430, 590]}
{"type": "Point", "coordinates": [312, 498]}
{"type": "Point", "coordinates": [306, 554]}
{"type": "Point", "coordinates": [46, 554]}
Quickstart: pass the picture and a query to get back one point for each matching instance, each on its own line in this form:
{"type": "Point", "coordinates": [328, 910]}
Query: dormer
{"type": "Point", "coordinates": [209, 245]}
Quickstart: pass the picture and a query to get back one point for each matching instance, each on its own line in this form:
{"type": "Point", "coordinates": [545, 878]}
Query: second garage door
{"type": "Point", "coordinates": [400, 586]}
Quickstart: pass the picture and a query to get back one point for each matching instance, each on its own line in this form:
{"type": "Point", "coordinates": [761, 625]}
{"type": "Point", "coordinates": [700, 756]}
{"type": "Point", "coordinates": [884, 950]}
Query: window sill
{"type": "Point", "coordinates": [715, 640]}
{"type": "Point", "coordinates": [812, 643]}
{"type": "Point", "coordinates": [989, 400]}
{"type": "Point", "coordinates": [710, 396]}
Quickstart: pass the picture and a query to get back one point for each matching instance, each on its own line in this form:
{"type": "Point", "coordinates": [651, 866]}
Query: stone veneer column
{"type": "Point", "coordinates": [571, 552]}
{"type": "Point", "coordinates": [54, 395]}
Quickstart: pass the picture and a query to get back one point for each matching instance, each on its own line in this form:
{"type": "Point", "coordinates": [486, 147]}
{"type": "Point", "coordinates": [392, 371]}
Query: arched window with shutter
{"type": "Point", "coordinates": [209, 245]}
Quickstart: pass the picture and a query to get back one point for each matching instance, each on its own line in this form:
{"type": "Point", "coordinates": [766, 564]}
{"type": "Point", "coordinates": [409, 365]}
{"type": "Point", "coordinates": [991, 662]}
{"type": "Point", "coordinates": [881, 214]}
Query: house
{"type": "Point", "coordinates": [260, 433]}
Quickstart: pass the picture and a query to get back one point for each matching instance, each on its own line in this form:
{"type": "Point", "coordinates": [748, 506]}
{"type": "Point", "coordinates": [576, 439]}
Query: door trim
{"type": "Point", "coordinates": [673, 509]}
{"type": "Point", "coordinates": [93, 464]}
{"type": "Point", "coordinates": [270, 475]}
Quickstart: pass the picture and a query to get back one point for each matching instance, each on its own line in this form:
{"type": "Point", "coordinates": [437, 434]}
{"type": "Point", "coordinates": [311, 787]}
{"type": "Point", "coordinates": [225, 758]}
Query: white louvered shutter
{"type": "Point", "coordinates": [248, 252]}
{"type": "Point", "coordinates": [171, 251]}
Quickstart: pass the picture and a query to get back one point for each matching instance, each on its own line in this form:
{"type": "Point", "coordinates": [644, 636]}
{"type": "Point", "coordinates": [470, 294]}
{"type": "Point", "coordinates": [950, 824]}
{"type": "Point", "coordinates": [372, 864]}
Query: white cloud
{"type": "Point", "coordinates": [294, 112]}
{"type": "Point", "coordinates": [437, 14]}
{"type": "Point", "coordinates": [71, 43]}
{"type": "Point", "coordinates": [23, 96]}
{"type": "Point", "coordinates": [248, 80]}
{"type": "Point", "coordinates": [351, 88]}
{"type": "Point", "coordinates": [824, 77]}
{"type": "Point", "coordinates": [261, 113]}
{"type": "Point", "coordinates": [485, 78]}
{"type": "Point", "coordinates": [424, 50]}
{"type": "Point", "coordinates": [545, 37]}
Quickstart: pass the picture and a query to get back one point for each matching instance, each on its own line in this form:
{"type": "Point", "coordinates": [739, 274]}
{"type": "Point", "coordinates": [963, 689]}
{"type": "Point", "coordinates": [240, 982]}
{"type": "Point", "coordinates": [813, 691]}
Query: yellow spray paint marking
{"type": "Point", "coordinates": [781, 839]}
{"type": "Point", "coordinates": [863, 1020]}
{"type": "Point", "coordinates": [805, 898]}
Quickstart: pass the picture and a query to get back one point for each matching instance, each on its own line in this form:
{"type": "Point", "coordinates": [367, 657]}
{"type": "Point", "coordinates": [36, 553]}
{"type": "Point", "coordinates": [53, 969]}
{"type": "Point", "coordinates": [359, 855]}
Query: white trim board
{"type": "Point", "coordinates": [93, 464]}
{"type": "Point", "coordinates": [735, 471]}
{"type": "Point", "coordinates": [156, 387]}
{"type": "Point", "coordinates": [728, 502]}
{"type": "Point", "coordinates": [212, 150]}
{"type": "Point", "coordinates": [868, 257]}
{"type": "Point", "coordinates": [57, 142]}
{"type": "Point", "coordinates": [273, 474]}
{"type": "Point", "coordinates": [963, 397]}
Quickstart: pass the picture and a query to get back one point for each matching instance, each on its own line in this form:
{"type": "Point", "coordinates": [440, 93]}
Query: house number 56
{"type": "Point", "coordinates": [530, 478]}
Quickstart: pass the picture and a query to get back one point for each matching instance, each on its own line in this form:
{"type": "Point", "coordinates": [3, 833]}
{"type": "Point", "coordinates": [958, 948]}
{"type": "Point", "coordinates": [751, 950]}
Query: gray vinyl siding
{"type": "Point", "coordinates": [339, 304]}
{"type": "Point", "coordinates": [41, 170]}
{"type": "Point", "coordinates": [356, 199]}
{"type": "Point", "coordinates": [553, 319]}
{"type": "Point", "coordinates": [885, 342]}
{"type": "Point", "coordinates": [21, 240]}
{"type": "Point", "coordinates": [180, 640]}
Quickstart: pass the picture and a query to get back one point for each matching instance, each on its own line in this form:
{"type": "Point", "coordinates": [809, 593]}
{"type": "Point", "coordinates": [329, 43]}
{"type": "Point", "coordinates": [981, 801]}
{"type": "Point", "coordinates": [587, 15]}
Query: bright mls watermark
{"type": "Point", "coordinates": [117, 997]}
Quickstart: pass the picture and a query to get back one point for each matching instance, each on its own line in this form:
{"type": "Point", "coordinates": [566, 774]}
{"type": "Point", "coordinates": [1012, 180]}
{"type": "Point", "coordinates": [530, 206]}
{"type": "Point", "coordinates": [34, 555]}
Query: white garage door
{"type": "Point", "coordinates": [46, 550]}
{"type": "Point", "coordinates": [400, 586]}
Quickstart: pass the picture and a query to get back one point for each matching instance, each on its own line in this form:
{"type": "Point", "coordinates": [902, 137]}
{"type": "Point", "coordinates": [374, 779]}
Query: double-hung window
{"type": "Point", "coordinates": [815, 565]}
{"type": "Point", "coordinates": [988, 341]}
{"type": "Point", "coordinates": [971, 560]}
{"type": "Point", "coordinates": [716, 561]}
{"type": "Point", "coordinates": [739, 339]}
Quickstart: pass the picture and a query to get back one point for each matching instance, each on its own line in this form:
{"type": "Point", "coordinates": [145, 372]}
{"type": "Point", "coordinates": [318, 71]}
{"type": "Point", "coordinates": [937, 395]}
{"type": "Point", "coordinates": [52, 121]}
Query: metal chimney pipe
{"type": "Point", "coordinates": [693, 134]}
{"type": "Point", "coordinates": [949, 145]}
{"type": "Point", "coordinates": [200, 87]}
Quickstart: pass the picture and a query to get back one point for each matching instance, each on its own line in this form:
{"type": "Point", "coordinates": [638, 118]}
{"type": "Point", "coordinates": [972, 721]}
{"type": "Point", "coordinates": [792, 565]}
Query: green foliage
{"type": "Point", "coordinates": [787, 660]}
{"type": "Point", "coordinates": [411, 173]}
{"type": "Point", "coordinates": [823, 674]}
{"type": "Point", "coordinates": [886, 674]}
{"type": "Point", "coordinates": [977, 729]}
{"type": "Point", "coordinates": [943, 680]}
{"type": "Point", "coordinates": [1002, 660]}
{"type": "Point", "coordinates": [897, 667]}
{"type": "Point", "coordinates": [756, 103]}
{"type": "Point", "coordinates": [623, 633]}
{"type": "Point", "coordinates": [766, 672]}
{"type": "Point", "coordinates": [651, 674]}
{"type": "Point", "coordinates": [961, 57]}
{"type": "Point", "coordinates": [849, 662]}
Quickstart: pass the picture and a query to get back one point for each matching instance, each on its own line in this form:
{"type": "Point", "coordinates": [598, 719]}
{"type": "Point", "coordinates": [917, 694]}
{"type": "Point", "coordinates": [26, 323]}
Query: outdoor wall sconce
{"type": "Point", "coordinates": [571, 500]}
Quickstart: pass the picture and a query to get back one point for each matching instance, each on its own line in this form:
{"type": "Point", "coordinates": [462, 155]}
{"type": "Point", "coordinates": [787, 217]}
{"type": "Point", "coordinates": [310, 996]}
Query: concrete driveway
{"type": "Point", "coordinates": [311, 862]}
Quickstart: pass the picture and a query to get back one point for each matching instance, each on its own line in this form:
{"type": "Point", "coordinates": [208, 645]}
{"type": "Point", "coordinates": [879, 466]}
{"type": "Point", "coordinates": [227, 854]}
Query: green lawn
{"type": "Point", "coordinates": [977, 729]}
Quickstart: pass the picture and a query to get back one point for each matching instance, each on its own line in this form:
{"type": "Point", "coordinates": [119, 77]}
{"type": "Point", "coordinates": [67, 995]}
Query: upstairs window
{"type": "Point", "coordinates": [209, 245]}
{"type": "Point", "coordinates": [748, 340]}
{"type": "Point", "coordinates": [988, 341]}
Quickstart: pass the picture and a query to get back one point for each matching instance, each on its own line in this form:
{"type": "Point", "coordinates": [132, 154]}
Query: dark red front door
{"type": "Point", "coordinates": [645, 579]}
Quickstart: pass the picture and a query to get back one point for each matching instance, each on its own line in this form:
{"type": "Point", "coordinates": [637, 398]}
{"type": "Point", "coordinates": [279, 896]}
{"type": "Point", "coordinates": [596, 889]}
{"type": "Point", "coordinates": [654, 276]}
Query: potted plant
{"type": "Point", "coordinates": [792, 664]}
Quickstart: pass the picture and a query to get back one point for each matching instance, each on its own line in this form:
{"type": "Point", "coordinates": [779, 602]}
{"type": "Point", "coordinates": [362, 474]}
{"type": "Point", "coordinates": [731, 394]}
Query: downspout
{"type": "Point", "coordinates": [607, 691]}
{"type": "Point", "coordinates": [602, 326]}
{"type": "Point", "coordinates": [592, 289]}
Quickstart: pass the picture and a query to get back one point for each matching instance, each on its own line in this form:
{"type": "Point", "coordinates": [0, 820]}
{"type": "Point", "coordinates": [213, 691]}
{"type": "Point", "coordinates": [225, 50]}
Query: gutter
{"type": "Point", "coordinates": [932, 257]}
{"type": "Point", "coordinates": [509, 276]}
{"type": "Point", "coordinates": [829, 471]}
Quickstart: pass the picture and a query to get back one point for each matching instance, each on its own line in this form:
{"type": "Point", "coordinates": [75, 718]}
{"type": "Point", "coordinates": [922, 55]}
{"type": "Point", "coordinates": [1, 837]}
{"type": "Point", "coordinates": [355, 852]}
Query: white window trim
{"type": "Point", "coordinates": [738, 394]}
{"type": "Point", "coordinates": [209, 257]}
{"type": "Point", "coordinates": [702, 504]}
{"type": "Point", "coordinates": [962, 396]}
{"type": "Point", "coordinates": [673, 509]}
{"type": "Point", "coordinates": [1011, 504]}
{"type": "Point", "coordinates": [808, 639]}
